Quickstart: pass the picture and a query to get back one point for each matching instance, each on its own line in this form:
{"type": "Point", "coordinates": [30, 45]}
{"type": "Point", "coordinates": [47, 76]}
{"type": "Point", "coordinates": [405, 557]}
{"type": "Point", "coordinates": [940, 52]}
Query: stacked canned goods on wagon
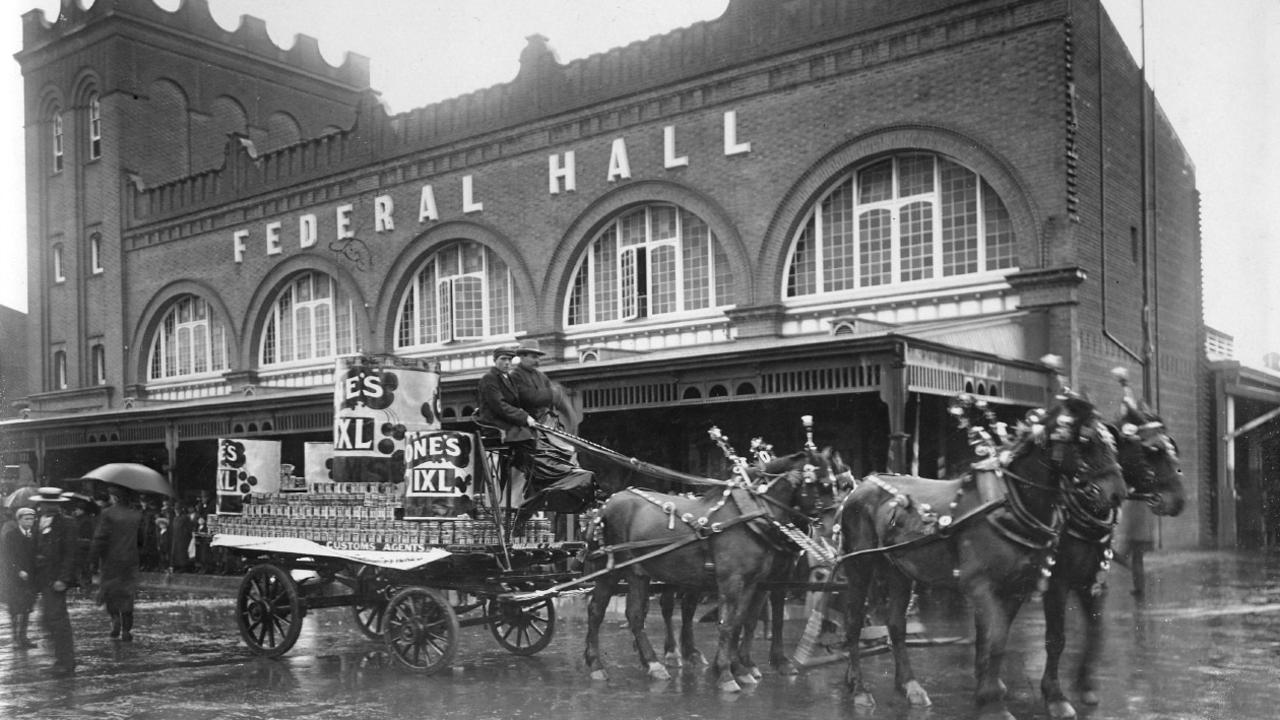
{"type": "Point", "coordinates": [366, 516]}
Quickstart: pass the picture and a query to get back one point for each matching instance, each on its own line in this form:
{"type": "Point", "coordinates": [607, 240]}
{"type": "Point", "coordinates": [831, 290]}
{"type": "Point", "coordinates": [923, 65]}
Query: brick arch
{"type": "Point", "coordinates": [169, 124]}
{"type": "Point", "coordinates": [86, 83]}
{"type": "Point", "coordinates": [51, 99]}
{"type": "Point", "coordinates": [154, 311]}
{"type": "Point", "coordinates": [410, 259]}
{"type": "Point", "coordinates": [209, 133]}
{"type": "Point", "coordinates": [281, 131]}
{"type": "Point", "coordinates": [583, 229]}
{"type": "Point", "coordinates": [264, 295]}
{"type": "Point", "coordinates": [791, 211]}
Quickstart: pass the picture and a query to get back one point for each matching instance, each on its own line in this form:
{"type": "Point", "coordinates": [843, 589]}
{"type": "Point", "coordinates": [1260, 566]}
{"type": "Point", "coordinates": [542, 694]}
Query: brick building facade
{"type": "Point", "coordinates": [847, 209]}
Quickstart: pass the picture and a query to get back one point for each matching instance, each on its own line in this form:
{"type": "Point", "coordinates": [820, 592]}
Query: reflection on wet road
{"type": "Point", "coordinates": [1205, 643]}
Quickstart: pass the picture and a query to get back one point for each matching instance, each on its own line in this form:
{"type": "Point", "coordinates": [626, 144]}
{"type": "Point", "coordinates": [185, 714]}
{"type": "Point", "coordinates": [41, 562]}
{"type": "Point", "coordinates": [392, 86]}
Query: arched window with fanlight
{"type": "Point", "coordinates": [311, 319]}
{"type": "Point", "coordinates": [652, 261]}
{"type": "Point", "coordinates": [189, 342]}
{"type": "Point", "coordinates": [462, 292]}
{"type": "Point", "coordinates": [912, 219]}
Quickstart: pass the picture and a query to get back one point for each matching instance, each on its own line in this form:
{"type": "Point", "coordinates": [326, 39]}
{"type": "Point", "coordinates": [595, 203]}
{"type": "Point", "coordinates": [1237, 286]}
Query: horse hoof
{"type": "Point", "coordinates": [673, 660]}
{"type": "Point", "coordinates": [864, 701]}
{"type": "Point", "coordinates": [1061, 709]}
{"type": "Point", "coordinates": [786, 668]}
{"type": "Point", "coordinates": [599, 675]}
{"type": "Point", "coordinates": [657, 671]}
{"type": "Point", "coordinates": [916, 696]}
{"type": "Point", "coordinates": [747, 679]}
{"type": "Point", "coordinates": [1000, 714]}
{"type": "Point", "coordinates": [754, 672]}
{"type": "Point", "coordinates": [697, 658]}
{"type": "Point", "coordinates": [730, 686]}
{"type": "Point", "coordinates": [1090, 697]}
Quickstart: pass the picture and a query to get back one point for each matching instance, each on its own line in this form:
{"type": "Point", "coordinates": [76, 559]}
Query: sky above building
{"type": "Point", "coordinates": [1215, 68]}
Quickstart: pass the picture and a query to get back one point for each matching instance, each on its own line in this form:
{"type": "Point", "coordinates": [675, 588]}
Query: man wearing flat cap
{"type": "Point", "coordinates": [18, 573]}
{"type": "Point", "coordinates": [500, 402]}
{"type": "Point", "coordinates": [56, 573]}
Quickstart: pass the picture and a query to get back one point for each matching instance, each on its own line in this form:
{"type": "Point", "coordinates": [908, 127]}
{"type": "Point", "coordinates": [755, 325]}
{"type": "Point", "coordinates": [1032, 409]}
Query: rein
{"type": "Point", "coordinates": [635, 463]}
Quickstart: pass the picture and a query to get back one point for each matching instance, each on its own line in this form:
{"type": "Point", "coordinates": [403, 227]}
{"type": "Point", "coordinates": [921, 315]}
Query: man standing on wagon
{"type": "Point", "coordinates": [556, 480]}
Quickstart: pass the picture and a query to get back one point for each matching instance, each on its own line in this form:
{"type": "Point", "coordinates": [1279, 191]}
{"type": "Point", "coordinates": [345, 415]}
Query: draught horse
{"type": "Point", "coordinates": [1149, 460]}
{"type": "Point", "coordinates": [679, 650]}
{"type": "Point", "coordinates": [993, 534]}
{"type": "Point", "coordinates": [725, 541]}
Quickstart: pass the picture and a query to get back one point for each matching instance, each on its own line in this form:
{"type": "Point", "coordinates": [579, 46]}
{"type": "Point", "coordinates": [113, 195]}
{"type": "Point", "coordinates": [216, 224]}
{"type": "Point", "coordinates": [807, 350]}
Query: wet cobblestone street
{"type": "Point", "coordinates": [1203, 644]}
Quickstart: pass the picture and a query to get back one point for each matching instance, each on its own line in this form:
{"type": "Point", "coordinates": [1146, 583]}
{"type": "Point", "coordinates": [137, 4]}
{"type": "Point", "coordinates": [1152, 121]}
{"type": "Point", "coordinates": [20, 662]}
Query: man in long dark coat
{"type": "Point", "coordinates": [18, 573]}
{"type": "Point", "coordinates": [556, 482]}
{"type": "Point", "coordinates": [56, 573]}
{"type": "Point", "coordinates": [115, 551]}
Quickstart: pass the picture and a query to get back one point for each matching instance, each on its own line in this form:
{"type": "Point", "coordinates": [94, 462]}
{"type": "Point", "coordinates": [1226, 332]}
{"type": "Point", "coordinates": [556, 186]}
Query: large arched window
{"type": "Point", "coordinates": [311, 319]}
{"type": "Point", "coordinates": [462, 292]}
{"type": "Point", "coordinates": [910, 218]}
{"type": "Point", "coordinates": [650, 261]}
{"type": "Point", "coordinates": [190, 342]}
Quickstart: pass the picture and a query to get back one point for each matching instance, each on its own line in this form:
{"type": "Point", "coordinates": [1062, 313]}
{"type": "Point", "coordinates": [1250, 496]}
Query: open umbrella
{"type": "Point", "coordinates": [22, 497]}
{"type": "Point", "coordinates": [138, 478]}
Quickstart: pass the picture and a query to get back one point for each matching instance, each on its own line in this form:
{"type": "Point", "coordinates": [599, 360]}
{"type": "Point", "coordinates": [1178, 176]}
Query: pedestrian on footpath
{"type": "Point", "coordinates": [56, 573]}
{"type": "Point", "coordinates": [17, 573]}
{"type": "Point", "coordinates": [183, 554]}
{"type": "Point", "coordinates": [115, 550]}
{"type": "Point", "coordinates": [164, 545]}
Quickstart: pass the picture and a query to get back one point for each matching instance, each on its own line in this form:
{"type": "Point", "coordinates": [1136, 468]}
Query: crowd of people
{"type": "Point", "coordinates": [58, 541]}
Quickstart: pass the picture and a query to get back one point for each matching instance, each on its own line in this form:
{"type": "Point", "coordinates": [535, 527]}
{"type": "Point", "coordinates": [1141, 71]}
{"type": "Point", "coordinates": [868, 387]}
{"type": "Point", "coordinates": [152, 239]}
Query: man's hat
{"type": "Point", "coordinates": [529, 346]}
{"type": "Point", "coordinates": [23, 512]}
{"type": "Point", "coordinates": [50, 495]}
{"type": "Point", "coordinates": [504, 351]}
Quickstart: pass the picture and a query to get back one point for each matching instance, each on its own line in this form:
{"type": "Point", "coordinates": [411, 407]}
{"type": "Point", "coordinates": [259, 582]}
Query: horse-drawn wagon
{"type": "Point", "coordinates": [413, 583]}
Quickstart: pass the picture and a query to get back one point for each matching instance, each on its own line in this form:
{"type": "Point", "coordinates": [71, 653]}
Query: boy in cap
{"type": "Point", "coordinates": [55, 574]}
{"type": "Point", "coordinates": [17, 573]}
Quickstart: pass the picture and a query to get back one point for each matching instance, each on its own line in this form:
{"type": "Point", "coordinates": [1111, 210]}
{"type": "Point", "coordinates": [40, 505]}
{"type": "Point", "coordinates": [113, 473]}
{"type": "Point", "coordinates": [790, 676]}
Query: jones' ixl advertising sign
{"type": "Point", "coordinates": [441, 467]}
{"type": "Point", "coordinates": [378, 401]}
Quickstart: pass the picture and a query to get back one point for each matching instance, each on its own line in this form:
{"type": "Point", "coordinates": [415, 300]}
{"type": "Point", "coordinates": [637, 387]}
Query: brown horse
{"type": "Point", "coordinates": [724, 541]}
{"type": "Point", "coordinates": [1149, 460]}
{"type": "Point", "coordinates": [993, 535]}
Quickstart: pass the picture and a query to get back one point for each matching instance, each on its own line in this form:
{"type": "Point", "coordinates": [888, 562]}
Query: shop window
{"type": "Point", "coordinates": [189, 343]}
{"type": "Point", "coordinates": [657, 260]}
{"type": "Point", "coordinates": [908, 219]}
{"type": "Point", "coordinates": [462, 292]}
{"type": "Point", "coordinates": [95, 127]}
{"type": "Point", "coordinates": [312, 319]}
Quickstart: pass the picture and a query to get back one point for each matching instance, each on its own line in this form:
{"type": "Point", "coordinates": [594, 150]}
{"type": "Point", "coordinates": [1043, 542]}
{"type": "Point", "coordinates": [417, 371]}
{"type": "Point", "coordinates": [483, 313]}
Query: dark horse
{"type": "Point", "coordinates": [1149, 460]}
{"type": "Point", "coordinates": [992, 534]}
{"type": "Point", "coordinates": [796, 569]}
{"type": "Point", "coordinates": [725, 540]}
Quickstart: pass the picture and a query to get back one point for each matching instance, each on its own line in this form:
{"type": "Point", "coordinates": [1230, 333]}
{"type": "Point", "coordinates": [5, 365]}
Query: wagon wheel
{"type": "Point", "coordinates": [522, 628]}
{"type": "Point", "coordinates": [370, 606]}
{"type": "Point", "coordinates": [421, 629]}
{"type": "Point", "coordinates": [269, 611]}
